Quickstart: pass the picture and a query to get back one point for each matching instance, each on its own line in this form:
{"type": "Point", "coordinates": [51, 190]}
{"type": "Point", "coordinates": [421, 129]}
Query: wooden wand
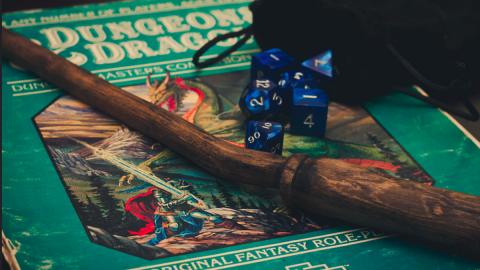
{"type": "Point", "coordinates": [321, 186]}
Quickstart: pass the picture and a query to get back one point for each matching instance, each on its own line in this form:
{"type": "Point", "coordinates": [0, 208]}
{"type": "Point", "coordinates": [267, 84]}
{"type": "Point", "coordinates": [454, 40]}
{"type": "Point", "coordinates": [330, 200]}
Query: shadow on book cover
{"type": "Point", "coordinates": [135, 195]}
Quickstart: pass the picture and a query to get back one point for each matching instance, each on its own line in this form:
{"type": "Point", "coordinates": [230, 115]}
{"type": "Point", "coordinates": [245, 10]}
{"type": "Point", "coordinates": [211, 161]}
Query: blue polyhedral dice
{"type": "Point", "coordinates": [264, 136]}
{"type": "Point", "coordinates": [292, 79]}
{"type": "Point", "coordinates": [309, 112]}
{"type": "Point", "coordinates": [269, 64]}
{"type": "Point", "coordinates": [260, 99]}
{"type": "Point", "coordinates": [321, 64]}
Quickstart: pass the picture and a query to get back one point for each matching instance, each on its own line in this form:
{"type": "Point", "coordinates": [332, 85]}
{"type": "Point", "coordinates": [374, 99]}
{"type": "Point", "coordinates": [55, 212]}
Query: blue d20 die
{"type": "Point", "coordinates": [264, 136]}
{"type": "Point", "coordinates": [309, 112]}
{"type": "Point", "coordinates": [321, 64]}
{"type": "Point", "coordinates": [260, 99]}
{"type": "Point", "coordinates": [269, 64]}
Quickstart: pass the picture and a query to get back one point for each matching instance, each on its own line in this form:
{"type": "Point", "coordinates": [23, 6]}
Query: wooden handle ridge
{"type": "Point", "coordinates": [322, 186]}
{"type": "Point", "coordinates": [354, 194]}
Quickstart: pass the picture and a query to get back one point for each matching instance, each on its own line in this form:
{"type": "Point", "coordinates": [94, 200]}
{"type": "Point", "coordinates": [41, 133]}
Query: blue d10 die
{"type": "Point", "coordinates": [260, 99]}
{"type": "Point", "coordinates": [269, 64]}
{"type": "Point", "coordinates": [309, 112]}
{"type": "Point", "coordinates": [264, 136]}
{"type": "Point", "coordinates": [321, 64]}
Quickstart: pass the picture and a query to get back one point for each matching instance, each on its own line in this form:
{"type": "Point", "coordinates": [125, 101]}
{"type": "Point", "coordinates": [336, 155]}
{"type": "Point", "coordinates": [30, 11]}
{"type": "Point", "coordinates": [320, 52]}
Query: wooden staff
{"type": "Point", "coordinates": [320, 186]}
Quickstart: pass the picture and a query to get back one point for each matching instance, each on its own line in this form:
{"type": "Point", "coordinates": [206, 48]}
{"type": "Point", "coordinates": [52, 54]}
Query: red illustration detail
{"type": "Point", "coordinates": [171, 105]}
{"type": "Point", "coordinates": [143, 207]}
{"type": "Point", "coordinates": [369, 163]}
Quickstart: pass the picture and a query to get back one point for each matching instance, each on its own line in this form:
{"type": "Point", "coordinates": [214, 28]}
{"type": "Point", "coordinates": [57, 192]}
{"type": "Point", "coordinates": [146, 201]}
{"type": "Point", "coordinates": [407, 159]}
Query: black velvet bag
{"type": "Point", "coordinates": [378, 46]}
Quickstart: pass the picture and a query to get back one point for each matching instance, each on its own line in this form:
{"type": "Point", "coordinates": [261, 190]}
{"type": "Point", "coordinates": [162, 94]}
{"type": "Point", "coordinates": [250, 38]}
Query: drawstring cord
{"type": "Point", "coordinates": [471, 114]}
{"type": "Point", "coordinates": [245, 32]}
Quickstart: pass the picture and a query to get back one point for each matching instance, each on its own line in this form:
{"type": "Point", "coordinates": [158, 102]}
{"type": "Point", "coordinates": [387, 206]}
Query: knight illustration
{"type": "Point", "coordinates": [177, 216]}
{"type": "Point", "coordinates": [167, 205]}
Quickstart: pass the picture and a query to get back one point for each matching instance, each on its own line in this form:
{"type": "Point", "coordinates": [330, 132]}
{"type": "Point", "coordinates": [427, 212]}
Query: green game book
{"type": "Point", "coordinates": [82, 191]}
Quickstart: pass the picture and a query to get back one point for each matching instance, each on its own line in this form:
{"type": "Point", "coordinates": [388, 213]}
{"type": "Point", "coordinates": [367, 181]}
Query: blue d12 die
{"type": "Point", "coordinates": [260, 99]}
{"type": "Point", "coordinates": [269, 64]}
{"type": "Point", "coordinates": [321, 64]}
{"type": "Point", "coordinates": [264, 136]}
{"type": "Point", "coordinates": [309, 112]}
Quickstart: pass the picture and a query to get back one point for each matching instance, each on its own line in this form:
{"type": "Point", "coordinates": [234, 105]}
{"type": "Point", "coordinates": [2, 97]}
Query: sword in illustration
{"type": "Point", "coordinates": [144, 175]}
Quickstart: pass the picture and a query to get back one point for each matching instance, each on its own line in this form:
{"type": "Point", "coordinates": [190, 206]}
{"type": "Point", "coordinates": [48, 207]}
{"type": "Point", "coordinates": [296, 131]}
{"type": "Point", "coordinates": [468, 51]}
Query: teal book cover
{"type": "Point", "coordinates": [82, 191]}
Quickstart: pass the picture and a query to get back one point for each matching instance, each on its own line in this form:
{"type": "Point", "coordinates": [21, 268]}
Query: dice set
{"type": "Point", "coordinates": [309, 112]}
{"type": "Point", "coordinates": [269, 64]}
{"type": "Point", "coordinates": [320, 64]}
{"type": "Point", "coordinates": [280, 88]}
{"type": "Point", "coordinates": [261, 99]}
{"type": "Point", "coordinates": [264, 136]}
{"type": "Point", "coordinates": [290, 79]}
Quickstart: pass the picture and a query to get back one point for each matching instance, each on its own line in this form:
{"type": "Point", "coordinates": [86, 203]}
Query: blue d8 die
{"type": "Point", "coordinates": [321, 65]}
{"type": "Point", "coordinates": [309, 112]}
{"type": "Point", "coordinates": [260, 99]}
{"type": "Point", "coordinates": [264, 136]}
{"type": "Point", "coordinates": [269, 64]}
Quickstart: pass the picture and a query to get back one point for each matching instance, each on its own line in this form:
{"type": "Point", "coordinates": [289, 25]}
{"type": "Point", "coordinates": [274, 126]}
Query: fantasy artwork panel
{"type": "Point", "coordinates": [135, 195]}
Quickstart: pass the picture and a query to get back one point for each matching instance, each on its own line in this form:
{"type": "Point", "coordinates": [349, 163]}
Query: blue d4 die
{"type": "Point", "coordinates": [321, 64]}
{"type": "Point", "coordinates": [269, 64]}
{"type": "Point", "coordinates": [260, 99]}
{"type": "Point", "coordinates": [264, 136]}
{"type": "Point", "coordinates": [309, 112]}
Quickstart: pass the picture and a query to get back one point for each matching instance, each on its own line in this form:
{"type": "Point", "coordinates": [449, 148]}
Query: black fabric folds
{"type": "Point", "coordinates": [378, 46]}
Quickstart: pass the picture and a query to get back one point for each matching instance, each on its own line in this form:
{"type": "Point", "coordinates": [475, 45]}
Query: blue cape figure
{"type": "Point", "coordinates": [190, 227]}
{"type": "Point", "coordinates": [175, 217]}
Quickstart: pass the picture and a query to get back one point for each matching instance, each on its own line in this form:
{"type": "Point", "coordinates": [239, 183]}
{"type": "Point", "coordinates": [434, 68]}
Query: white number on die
{"type": "Point", "coordinates": [309, 121]}
{"type": "Point", "coordinates": [256, 102]}
{"type": "Point", "coordinates": [320, 62]}
{"type": "Point", "coordinates": [298, 75]}
{"type": "Point", "coordinates": [256, 135]}
{"type": "Point", "coordinates": [277, 99]}
{"type": "Point", "coordinates": [263, 83]}
{"type": "Point", "coordinates": [267, 125]}
{"type": "Point", "coordinates": [274, 57]}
